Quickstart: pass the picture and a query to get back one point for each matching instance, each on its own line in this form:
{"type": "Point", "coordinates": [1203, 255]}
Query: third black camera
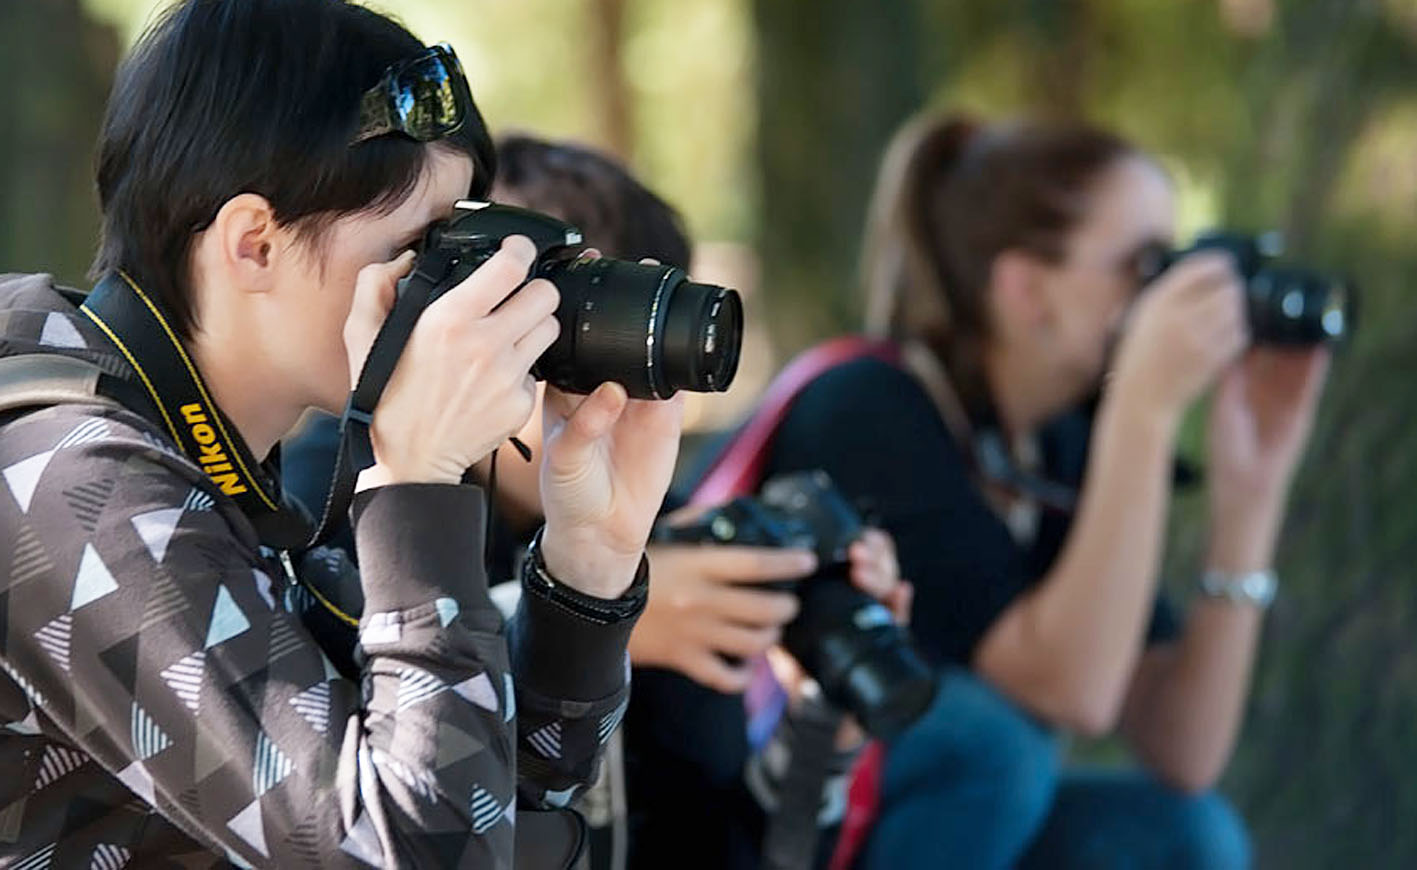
{"type": "Point", "coordinates": [864, 662]}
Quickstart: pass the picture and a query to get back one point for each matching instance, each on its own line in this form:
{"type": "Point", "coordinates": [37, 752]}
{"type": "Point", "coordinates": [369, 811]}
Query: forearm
{"type": "Point", "coordinates": [1184, 713]}
{"type": "Point", "coordinates": [1188, 701]}
{"type": "Point", "coordinates": [1067, 649]}
{"type": "Point", "coordinates": [569, 653]}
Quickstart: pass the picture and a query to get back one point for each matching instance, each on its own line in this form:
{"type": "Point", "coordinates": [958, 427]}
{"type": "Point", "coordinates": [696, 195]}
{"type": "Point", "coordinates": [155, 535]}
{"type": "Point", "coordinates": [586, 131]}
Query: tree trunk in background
{"type": "Point", "coordinates": [607, 23]}
{"type": "Point", "coordinates": [57, 66]}
{"type": "Point", "coordinates": [835, 78]}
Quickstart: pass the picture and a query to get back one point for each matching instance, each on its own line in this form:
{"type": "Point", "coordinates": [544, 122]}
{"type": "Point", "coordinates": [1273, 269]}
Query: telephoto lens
{"type": "Point", "coordinates": [645, 326]}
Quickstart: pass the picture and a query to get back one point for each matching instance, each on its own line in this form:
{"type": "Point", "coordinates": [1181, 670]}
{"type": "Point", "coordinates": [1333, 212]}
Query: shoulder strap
{"type": "Point", "coordinates": [738, 469]}
{"type": "Point", "coordinates": [36, 380]}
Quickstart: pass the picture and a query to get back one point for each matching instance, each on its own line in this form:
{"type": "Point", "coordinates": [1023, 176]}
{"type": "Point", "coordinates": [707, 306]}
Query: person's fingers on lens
{"type": "Point", "coordinates": [900, 602]}
{"type": "Point", "coordinates": [492, 282]}
{"type": "Point", "coordinates": [709, 669]}
{"type": "Point", "coordinates": [874, 568]}
{"type": "Point", "coordinates": [742, 641]}
{"type": "Point", "coordinates": [1201, 272]}
{"type": "Point", "coordinates": [757, 607]}
{"type": "Point", "coordinates": [561, 404]}
{"type": "Point", "coordinates": [533, 303]}
{"type": "Point", "coordinates": [756, 564]}
{"type": "Point", "coordinates": [532, 345]}
{"type": "Point", "coordinates": [585, 426]}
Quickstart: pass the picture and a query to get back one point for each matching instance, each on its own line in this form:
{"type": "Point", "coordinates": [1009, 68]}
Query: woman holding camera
{"type": "Point", "coordinates": [1004, 267]}
{"type": "Point", "coordinates": [264, 166]}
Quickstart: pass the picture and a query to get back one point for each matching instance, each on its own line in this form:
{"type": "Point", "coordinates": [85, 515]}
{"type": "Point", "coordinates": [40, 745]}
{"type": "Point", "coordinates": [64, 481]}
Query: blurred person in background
{"type": "Point", "coordinates": [262, 169]}
{"type": "Point", "coordinates": [682, 800]}
{"type": "Point", "coordinates": [1003, 269]}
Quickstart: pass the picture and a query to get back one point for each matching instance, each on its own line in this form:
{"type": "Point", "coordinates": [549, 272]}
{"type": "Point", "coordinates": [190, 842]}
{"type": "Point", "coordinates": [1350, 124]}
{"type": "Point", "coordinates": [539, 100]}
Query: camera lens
{"type": "Point", "coordinates": [865, 663]}
{"type": "Point", "coordinates": [1298, 307]}
{"type": "Point", "coordinates": [646, 327]}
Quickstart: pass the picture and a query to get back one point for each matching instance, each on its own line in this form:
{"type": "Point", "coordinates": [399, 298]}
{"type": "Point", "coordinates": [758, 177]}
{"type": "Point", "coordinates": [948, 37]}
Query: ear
{"type": "Point", "coordinates": [244, 242]}
{"type": "Point", "coordinates": [1019, 299]}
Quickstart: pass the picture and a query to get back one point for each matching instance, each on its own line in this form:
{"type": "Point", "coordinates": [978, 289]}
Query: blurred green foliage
{"type": "Point", "coordinates": [763, 120]}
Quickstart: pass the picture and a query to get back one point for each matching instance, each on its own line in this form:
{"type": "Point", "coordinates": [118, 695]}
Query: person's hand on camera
{"type": "Point", "coordinates": [707, 615]}
{"type": "Point", "coordinates": [1260, 419]}
{"type": "Point", "coordinates": [462, 385]}
{"type": "Point", "coordinates": [1181, 334]}
{"type": "Point", "coordinates": [607, 464]}
{"type": "Point", "coordinates": [875, 570]}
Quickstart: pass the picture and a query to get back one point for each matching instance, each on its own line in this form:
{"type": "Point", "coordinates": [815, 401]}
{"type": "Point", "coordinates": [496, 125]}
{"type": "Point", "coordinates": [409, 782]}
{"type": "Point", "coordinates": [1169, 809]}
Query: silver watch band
{"type": "Point", "coordinates": [1246, 587]}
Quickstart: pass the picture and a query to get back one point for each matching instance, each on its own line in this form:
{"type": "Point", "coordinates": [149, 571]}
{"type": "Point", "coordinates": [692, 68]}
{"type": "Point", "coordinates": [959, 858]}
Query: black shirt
{"type": "Point", "coordinates": [875, 430]}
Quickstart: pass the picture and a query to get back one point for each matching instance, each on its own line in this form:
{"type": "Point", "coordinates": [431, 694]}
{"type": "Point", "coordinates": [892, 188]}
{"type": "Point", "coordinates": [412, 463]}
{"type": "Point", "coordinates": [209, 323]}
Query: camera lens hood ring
{"type": "Point", "coordinates": [658, 311]}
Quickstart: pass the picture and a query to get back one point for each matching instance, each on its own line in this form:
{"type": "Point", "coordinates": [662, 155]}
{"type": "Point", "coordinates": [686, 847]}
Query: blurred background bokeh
{"type": "Point", "coordinates": [762, 121]}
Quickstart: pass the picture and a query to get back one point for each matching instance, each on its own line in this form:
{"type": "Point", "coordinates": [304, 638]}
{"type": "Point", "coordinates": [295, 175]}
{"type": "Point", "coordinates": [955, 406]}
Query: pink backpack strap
{"type": "Point", "coordinates": [739, 468]}
{"type": "Point", "coordinates": [863, 804]}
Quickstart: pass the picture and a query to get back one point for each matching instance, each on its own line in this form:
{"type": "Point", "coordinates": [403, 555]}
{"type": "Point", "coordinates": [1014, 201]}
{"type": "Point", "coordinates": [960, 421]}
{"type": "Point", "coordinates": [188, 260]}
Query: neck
{"type": "Point", "coordinates": [1024, 397]}
{"type": "Point", "coordinates": [246, 387]}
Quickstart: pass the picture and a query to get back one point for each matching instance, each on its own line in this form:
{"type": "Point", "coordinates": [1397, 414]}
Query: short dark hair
{"type": "Point", "coordinates": [223, 97]}
{"type": "Point", "coordinates": [582, 186]}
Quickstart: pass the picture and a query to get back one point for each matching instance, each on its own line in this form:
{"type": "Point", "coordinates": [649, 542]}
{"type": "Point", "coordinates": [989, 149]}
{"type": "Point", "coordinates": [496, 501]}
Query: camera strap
{"type": "Point", "coordinates": [143, 335]}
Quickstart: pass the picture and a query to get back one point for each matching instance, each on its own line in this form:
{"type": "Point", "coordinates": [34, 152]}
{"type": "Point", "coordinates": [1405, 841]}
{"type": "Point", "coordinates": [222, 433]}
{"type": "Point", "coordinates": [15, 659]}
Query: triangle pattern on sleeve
{"type": "Point", "coordinates": [23, 477]}
{"type": "Point", "coordinates": [156, 529]}
{"type": "Point", "coordinates": [227, 619]}
{"type": "Point", "coordinates": [93, 581]}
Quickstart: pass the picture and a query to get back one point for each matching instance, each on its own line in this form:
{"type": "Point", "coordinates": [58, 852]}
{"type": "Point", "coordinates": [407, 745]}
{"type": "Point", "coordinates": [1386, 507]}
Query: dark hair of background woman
{"type": "Point", "coordinates": [952, 195]}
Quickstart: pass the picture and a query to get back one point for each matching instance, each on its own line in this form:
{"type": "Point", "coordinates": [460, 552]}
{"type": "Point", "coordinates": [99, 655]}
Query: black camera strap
{"type": "Point", "coordinates": [142, 333]}
{"type": "Point", "coordinates": [140, 330]}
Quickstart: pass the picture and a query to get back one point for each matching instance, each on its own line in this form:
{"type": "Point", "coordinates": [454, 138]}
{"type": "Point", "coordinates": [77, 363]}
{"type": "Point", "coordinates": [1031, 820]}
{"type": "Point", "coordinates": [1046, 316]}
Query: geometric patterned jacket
{"type": "Point", "coordinates": [164, 704]}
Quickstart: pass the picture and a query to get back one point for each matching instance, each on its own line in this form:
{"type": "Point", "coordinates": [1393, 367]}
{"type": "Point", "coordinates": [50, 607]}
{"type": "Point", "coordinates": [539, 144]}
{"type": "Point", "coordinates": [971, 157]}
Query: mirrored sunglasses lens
{"type": "Point", "coordinates": [426, 99]}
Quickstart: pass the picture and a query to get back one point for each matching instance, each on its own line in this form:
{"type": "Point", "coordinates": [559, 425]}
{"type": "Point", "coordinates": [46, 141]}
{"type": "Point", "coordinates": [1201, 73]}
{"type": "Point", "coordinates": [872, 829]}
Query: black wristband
{"type": "Point", "coordinates": [538, 581]}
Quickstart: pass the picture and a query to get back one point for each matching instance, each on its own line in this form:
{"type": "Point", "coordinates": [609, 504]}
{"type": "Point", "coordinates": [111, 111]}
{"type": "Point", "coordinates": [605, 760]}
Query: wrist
{"type": "Point", "coordinates": [583, 562]}
{"type": "Point", "coordinates": [1241, 544]}
{"type": "Point", "coordinates": [1139, 409]}
{"type": "Point", "coordinates": [385, 474]}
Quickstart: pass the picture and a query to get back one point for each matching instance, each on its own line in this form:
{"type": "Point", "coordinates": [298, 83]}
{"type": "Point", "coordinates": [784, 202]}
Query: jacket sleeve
{"type": "Point", "coordinates": [569, 653]}
{"type": "Point", "coordinates": [186, 677]}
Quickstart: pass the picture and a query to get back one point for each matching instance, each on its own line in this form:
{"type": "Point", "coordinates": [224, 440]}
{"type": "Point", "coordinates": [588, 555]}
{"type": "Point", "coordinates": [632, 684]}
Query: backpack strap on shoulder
{"type": "Point", "coordinates": [36, 380]}
{"type": "Point", "coordinates": [738, 468]}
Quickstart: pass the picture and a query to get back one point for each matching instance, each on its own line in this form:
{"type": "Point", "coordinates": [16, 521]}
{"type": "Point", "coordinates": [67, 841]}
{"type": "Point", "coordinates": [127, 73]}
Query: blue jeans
{"type": "Point", "coordinates": [978, 783]}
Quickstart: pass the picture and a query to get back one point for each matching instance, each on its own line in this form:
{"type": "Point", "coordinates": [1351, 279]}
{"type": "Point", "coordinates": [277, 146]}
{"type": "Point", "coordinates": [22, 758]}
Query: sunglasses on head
{"type": "Point", "coordinates": [425, 98]}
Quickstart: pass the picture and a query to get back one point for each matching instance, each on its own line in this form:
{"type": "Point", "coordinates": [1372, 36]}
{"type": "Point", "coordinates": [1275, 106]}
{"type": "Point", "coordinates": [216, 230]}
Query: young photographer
{"type": "Point", "coordinates": [1004, 266]}
{"type": "Point", "coordinates": [707, 618]}
{"type": "Point", "coordinates": [263, 166]}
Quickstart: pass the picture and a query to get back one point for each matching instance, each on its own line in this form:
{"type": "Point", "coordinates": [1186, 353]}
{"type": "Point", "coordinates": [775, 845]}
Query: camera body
{"type": "Point", "coordinates": [1286, 305]}
{"type": "Point", "coordinates": [647, 327]}
{"type": "Point", "coordinates": [848, 642]}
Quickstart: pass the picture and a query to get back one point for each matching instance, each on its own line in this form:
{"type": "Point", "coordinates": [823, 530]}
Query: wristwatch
{"type": "Point", "coordinates": [538, 581]}
{"type": "Point", "coordinates": [1246, 587]}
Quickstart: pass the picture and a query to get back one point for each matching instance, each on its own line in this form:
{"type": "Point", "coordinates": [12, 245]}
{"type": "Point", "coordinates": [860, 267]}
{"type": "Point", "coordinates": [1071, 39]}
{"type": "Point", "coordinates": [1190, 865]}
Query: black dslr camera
{"type": "Point", "coordinates": [648, 328]}
{"type": "Point", "coordinates": [864, 662]}
{"type": "Point", "coordinates": [1287, 305]}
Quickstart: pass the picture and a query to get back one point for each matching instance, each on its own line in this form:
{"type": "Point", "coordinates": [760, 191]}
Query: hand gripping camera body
{"type": "Point", "coordinates": [647, 327]}
{"type": "Point", "coordinates": [1286, 305]}
{"type": "Point", "coordinates": [864, 662]}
